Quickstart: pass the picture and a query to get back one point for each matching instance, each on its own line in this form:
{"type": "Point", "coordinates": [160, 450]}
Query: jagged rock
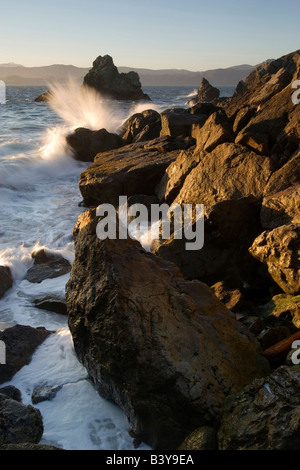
{"type": "Point", "coordinates": [11, 392]}
{"type": "Point", "coordinates": [44, 97]}
{"type": "Point", "coordinates": [86, 144]}
{"type": "Point", "coordinates": [44, 392]}
{"type": "Point", "coordinates": [6, 280]}
{"type": "Point", "coordinates": [179, 124]}
{"type": "Point", "coordinates": [130, 170]}
{"type": "Point", "coordinates": [106, 79]}
{"type": "Point", "coordinates": [203, 109]}
{"type": "Point", "coordinates": [274, 85]}
{"type": "Point", "coordinates": [141, 127]}
{"type": "Point", "coordinates": [21, 342]}
{"type": "Point", "coordinates": [19, 423]}
{"type": "Point", "coordinates": [130, 314]}
{"type": "Point", "coordinates": [265, 416]}
{"type": "Point", "coordinates": [259, 78]}
{"type": "Point", "coordinates": [47, 265]}
{"type": "Point", "coordinates": [281, 208]}
{"type": "Point", "coordinates": [279, 249]}
{"type": "Point", "coordinates": [229, 172]}
{"type": "Point", "coordinates": [173, 179]}
{"type": "Point", "coordinates": [215, 131]}
{"type": "Point", "coordinates": [242, 118]}
{"type": "Point", "coordinates": [273, 129]}
{"type": "Point", "coordinates": [240, 89]}
{"type": "Point", "coordinates": [255, 141]}
{"type": "Point", "coordinates": [204, 438]}
{"type": "Point", "coordinates": [51, 303]}
{"type": "Point", "coordinates": [288, 175]}
{"type": "Point", "coordinates": [232, 298]}
{"type": "Point", "coordinates": [206, 93]}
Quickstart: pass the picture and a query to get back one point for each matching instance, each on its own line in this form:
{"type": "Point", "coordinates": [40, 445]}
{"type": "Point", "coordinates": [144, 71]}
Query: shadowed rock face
{"type": "Point", "coordinates": [265, 416]}
{"type": "Point", "coordinates": [279, 249]}
{"type": "Point", "coordinates": [86, 144]}
{"type": "Point", "coordinates": [281, 208]}
{"type": "Point", "coordinates": [19, 423]}
{"type": "Point", "coordinates": [106, 79]}
{"type": "Point", "coordinates": [21, 342]}
{"type": "Point", "coordinates": [47, 265]}
{"type": "Point", "coordinates": [163, 348]}
{"type": "Point", "coordinates": [6, 280]}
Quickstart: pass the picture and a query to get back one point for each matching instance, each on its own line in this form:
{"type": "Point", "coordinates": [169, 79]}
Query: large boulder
{"type": "Point", "coordinates": [214, 132]}
{"type": "Point", "coordinates": [279, 249]}
{"type": "Point", "coordinates": [20, 344]}
{"type": "Point", "coordinates": [286, 176]}
{"type": "Point", "coordinates": [19, 423]}
{"type": "Point", "coordinates": [131, 170]}
{"type": "Point", "coordinates": [141, 127]}
{"type": "Point", "coordinates": [86, 144]}
{"type": "Point", "coordinates": [6, 280]}
{"type": "Point", "coordinates": [106, 79]}
{"type": "Point", "coordinates": [161, 347]}
{"type": "Point", "coordinates": [281, 208]}
{"type": "Point", "coordinates": [265, 416]}
{"type": "Point", "coordinates": [230, 171]}
{"type": "Point", "coordinates": [174, 176]}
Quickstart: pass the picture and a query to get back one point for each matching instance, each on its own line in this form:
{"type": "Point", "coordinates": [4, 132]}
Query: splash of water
{"type": "Point", "coordinates": [81, 106]}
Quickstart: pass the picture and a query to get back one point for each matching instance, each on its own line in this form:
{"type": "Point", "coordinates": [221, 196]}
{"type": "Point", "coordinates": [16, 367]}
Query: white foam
{"type": "Point", "coordinates": [77, 418]}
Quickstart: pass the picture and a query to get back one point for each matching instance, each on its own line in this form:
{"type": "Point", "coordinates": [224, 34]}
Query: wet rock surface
{"type": "Point", "coordinates": [20, 344]}
{"type": "Point", "coordinates": [130, 313]}
{"type": "Point", "coordinates": [47, 265]}
{"type": "Point", "coordinates": [6, 280]}
{"type": "Point", "coordinates": [265, 416]}
{"type": "Point", "coordinates": [19, 423]}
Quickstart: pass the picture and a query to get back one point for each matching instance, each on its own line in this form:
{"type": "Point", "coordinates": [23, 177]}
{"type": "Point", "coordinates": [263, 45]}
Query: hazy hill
{"type": "Point", "coordinates": [15, 74]}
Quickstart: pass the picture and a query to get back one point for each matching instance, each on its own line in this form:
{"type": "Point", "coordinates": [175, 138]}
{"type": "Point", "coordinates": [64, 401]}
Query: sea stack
{"type": "Point", "coordinates": [206, 93]}
{"type": "Point", "coordinates": [106, 79]}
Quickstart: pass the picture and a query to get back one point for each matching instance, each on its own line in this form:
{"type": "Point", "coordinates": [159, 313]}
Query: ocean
{"type": "Point", "coordinates": [39, 206]}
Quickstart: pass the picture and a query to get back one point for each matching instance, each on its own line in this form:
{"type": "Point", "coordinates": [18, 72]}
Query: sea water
{"type": "Point", "coordinates": [39, 206]}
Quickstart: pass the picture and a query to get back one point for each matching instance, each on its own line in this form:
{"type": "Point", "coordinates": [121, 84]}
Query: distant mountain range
{"type": "Point", "coordinates": [15, 74]}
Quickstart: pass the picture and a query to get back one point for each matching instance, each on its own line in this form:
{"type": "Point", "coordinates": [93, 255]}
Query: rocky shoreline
{"type": "Point", "coordinates": [196, 346]}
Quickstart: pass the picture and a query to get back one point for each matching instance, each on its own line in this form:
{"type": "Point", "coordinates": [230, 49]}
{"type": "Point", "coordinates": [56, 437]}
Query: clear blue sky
{"type": "Point", "coordinates": [186, 34]}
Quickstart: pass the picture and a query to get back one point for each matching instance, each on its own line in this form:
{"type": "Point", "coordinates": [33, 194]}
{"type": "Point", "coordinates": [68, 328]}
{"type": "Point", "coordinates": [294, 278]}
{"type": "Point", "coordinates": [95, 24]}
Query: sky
{"type": "Point", "coordinates": [194, 35]}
